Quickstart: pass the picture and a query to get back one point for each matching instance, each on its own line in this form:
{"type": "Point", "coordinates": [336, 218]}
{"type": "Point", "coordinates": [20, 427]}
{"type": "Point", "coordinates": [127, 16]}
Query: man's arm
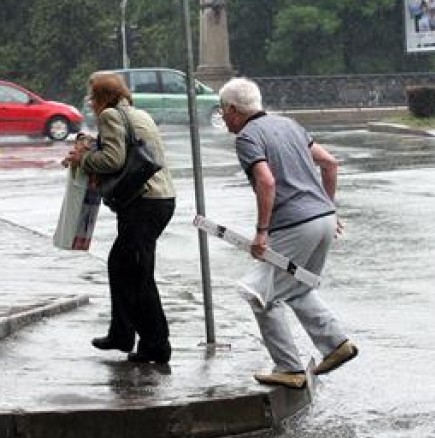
{"type": "Point", "coordinates": [328, 166]}
{"type": "Point", "coordinates": [265, 194]}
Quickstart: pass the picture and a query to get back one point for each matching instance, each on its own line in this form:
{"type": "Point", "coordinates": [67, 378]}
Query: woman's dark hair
{"type": "Point", "coordinates": [108, 89]}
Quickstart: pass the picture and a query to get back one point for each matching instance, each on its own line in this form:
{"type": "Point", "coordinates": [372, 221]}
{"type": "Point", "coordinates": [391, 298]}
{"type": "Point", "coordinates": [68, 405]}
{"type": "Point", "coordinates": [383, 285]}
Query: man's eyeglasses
{"type": "Point", "coordinates": [223, 107]}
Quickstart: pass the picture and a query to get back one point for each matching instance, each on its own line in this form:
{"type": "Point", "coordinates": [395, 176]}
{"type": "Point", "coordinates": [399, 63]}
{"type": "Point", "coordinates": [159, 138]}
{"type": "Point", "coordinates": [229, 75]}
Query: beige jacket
{"type": "Point", "coordinates": [111, 157]}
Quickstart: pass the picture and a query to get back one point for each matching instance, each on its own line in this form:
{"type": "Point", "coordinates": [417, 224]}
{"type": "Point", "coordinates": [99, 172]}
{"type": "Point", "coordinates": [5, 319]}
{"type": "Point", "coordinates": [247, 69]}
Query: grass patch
{"type": "Point", "coordinates": [412, 121]}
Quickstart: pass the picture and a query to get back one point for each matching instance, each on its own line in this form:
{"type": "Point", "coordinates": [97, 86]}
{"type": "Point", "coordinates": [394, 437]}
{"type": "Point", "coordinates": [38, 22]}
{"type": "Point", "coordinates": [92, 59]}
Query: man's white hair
{"type": "Point", "coordinates": [243, 94]}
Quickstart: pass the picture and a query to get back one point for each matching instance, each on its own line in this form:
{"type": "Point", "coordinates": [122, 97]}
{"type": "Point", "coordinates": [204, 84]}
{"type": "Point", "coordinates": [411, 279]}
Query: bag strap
{"type": "Point", "coordinates": [129, 135]}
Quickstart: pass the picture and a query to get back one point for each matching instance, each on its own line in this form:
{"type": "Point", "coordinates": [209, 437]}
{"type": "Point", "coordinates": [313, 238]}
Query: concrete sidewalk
{"type": "Point", "coordinates": [55, 384]}
{"type": "Point", "coordinates": [35, 290]}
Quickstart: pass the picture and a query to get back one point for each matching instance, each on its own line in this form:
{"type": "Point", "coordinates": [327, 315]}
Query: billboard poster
{"type": "Point", "coordinates": [419, 25]}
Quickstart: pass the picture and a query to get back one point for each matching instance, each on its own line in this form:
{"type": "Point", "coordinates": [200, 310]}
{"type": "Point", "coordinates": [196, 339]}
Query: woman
{"type": "Point", "coordinates": [135, 300]}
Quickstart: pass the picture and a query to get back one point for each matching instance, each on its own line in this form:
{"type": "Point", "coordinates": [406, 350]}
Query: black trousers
{"type": "Point", "coordinates": [136, 305]}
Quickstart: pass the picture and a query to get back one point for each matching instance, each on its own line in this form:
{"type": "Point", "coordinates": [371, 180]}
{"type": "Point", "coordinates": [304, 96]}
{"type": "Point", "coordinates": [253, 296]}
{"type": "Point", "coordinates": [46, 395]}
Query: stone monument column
{"type": "Point", "coordinates": [214, 67]}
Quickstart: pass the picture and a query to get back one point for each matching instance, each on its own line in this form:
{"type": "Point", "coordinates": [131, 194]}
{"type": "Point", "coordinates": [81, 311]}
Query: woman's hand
{"type": "Point", "coordinates": [75, 155]}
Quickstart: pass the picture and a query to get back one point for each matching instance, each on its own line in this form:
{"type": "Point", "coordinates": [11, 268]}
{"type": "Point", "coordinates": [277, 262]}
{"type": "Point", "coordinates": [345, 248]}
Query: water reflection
{"type": "Point", "coordinates": [134, 381]}
{"type": "Point", "coordinates": [364, 151]}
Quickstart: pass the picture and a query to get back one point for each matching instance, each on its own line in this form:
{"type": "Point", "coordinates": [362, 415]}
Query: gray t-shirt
{"type": "Point", "coordinates": [285, 145]}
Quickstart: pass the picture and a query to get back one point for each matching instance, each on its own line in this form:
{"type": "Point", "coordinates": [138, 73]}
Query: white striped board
{"type": "Point", "coordinates": [244, 244]}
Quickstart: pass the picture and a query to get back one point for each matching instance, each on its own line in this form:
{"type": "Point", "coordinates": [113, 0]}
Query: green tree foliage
{"type": "Point", "coordinates": [71, 39]}
{"type": "Point", "coordinates": [302, 30]}
{"type": "Point", "coordinates": [15, 40]}
{"type": "Point", "coordinates": [340, 36]}
{"type": "Point", "coordinates": [53, 46]}
{"type": "Point", "coordinates": [158, 32]}
{"type": "Point", "coordinates": [251, 24]}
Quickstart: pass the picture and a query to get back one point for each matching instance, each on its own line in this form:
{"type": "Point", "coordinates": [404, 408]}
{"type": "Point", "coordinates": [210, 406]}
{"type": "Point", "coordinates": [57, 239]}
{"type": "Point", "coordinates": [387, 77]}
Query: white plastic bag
{"type": "Point", "coordinates": [79, 212]}
{"type": "Point", "coordinates": [256, 286]}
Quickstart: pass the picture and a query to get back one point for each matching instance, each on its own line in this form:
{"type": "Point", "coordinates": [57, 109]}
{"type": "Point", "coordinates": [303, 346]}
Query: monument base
{"type": "Point", "coordinates": [214, 76]}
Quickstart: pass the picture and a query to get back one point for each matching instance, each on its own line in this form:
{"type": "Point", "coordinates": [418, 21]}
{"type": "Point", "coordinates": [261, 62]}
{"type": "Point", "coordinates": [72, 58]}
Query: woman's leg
{"type": "Point", "coordinates": [145, 308]}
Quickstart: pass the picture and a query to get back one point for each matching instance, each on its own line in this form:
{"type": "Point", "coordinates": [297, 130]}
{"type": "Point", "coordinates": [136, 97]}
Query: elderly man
{"type": "Point", "coordinates": [296, 217]}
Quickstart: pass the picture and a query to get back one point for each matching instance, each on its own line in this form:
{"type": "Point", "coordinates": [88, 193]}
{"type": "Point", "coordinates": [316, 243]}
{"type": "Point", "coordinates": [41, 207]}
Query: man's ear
{"type": "Point", "coordinates": [232, 108]}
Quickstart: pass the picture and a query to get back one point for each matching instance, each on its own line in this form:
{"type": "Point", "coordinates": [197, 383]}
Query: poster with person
{"type": "Point", "coordinates": [419, 25]}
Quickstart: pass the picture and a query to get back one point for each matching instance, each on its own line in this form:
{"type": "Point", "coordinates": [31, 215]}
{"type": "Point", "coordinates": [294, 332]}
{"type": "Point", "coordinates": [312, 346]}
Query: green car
{"type": "Point", "coordinates": [162, 92]}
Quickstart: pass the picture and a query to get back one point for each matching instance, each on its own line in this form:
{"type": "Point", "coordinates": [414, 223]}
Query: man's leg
{"type": "Point", "coordinates": [308, 245]}
{"type": "Point", "coordinates": [277, 337]}
{"type": "Point", "coordinates": [278, 340]}
{"type": "Point", "coordinates": [315, 316]}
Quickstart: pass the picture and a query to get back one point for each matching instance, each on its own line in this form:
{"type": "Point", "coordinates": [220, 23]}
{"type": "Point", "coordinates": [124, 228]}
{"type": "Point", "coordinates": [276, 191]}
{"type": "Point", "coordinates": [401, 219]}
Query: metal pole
{"type": "Point", "coordinates": [125, 62]}
{"type": "Point", "coordinates": [197, 172]}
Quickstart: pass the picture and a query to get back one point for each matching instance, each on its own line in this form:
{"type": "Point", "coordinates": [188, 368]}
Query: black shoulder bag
{"type": "Point", "coordinates": [121, 188]}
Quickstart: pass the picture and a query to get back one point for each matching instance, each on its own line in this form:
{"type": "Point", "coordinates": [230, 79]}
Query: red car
{"type": "Point", "coordinates": [25, 113]}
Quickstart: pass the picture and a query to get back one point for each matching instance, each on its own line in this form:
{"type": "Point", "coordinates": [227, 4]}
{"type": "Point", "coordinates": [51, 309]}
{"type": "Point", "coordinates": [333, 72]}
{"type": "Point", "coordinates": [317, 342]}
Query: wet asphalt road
{"type": "Point", "coordinates": [379, 279]}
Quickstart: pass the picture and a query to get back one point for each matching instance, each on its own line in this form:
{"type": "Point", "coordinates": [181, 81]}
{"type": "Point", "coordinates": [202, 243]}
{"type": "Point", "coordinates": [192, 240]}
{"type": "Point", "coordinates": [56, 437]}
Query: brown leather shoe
{"type": "Point", "coordinates": [289, 379]}
{"type": "Point", "coordinates": [342, 354]}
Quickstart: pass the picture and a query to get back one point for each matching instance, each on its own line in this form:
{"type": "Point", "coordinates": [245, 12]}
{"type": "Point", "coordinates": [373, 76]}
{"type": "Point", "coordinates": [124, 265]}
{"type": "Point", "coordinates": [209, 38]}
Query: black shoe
{"type": "Point", "coordinates": [158, 355]}
{"type": "Point", "coordinates": [107, 343]}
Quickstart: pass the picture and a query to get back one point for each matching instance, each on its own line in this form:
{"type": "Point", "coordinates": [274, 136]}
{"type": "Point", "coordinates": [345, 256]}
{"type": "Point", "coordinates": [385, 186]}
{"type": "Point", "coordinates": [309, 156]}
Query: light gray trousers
{"type": "Point", "coordinates": [306, 245]}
